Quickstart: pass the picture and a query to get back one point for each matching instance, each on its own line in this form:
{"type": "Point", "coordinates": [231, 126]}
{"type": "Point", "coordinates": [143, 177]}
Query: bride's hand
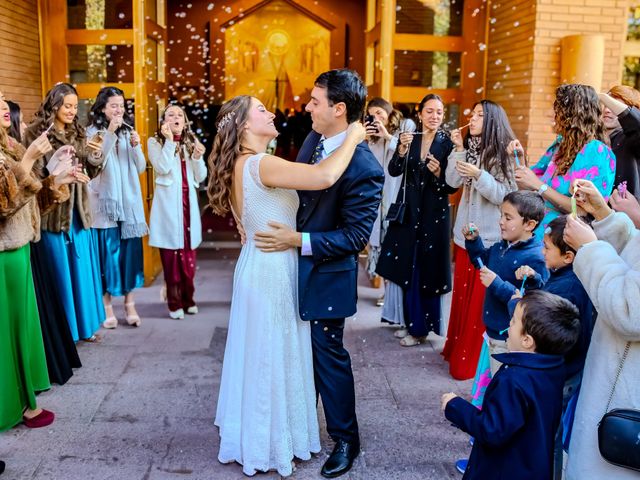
{"type": "Point", "coordinates": [357, 132]}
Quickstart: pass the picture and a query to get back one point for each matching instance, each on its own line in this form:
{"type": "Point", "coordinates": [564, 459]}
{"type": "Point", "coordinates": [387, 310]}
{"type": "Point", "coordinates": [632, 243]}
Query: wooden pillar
{"type": "Point", "coordinates": [54, 61]}
{"type": "Point", "coordinates": [387, 30]}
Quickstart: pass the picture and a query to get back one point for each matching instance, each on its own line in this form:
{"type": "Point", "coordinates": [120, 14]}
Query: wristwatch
{"type": "Point", "coordinates": [543, 188]}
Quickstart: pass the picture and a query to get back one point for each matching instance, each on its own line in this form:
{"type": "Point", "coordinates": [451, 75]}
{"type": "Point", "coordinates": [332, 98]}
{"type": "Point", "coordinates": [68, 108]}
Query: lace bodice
{"type": "Point", "coordinates": [263, 204]}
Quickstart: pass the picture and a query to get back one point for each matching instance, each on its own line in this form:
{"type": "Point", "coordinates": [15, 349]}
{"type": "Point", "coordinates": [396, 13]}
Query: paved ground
{"type": "Point", "coordinates": [142, 406]}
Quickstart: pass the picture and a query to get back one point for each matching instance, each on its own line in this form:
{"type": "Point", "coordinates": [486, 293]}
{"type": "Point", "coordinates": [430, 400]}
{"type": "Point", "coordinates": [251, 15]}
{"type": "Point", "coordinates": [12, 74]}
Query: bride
{"type": "Point", "coordinates": [266, 410]}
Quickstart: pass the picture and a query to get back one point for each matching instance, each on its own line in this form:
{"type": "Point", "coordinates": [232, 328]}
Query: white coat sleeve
{"type": "Point", "coordinates": [162, 157]}
{"type": "Point", "coordinates": [602, 271]}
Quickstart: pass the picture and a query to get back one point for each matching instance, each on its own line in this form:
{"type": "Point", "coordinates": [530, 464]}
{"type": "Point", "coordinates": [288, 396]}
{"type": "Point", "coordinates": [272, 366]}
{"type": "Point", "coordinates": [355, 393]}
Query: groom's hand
{"type": "Point", "coordinates": [281, 238]}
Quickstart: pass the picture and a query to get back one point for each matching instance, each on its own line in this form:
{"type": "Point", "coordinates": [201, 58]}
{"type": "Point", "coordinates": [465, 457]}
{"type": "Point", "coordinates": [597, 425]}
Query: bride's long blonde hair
{"type": "Point", "coordinates": [227, 147]}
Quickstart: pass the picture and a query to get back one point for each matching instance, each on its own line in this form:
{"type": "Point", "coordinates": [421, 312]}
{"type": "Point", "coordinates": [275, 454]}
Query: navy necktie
{"type": "Point", "coordinates": [317, 153]}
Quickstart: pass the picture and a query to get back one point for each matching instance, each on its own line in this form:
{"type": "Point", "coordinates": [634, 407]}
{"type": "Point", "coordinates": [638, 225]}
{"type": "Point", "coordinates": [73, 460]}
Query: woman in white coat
{"type": "Point", "coordinates": [608, 265]}
{"type": "Point", "coordinates": [175, 227]}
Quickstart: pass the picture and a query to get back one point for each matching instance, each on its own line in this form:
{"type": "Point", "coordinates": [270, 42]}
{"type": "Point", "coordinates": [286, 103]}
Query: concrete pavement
{"type": "Point", "coordinates": [143, 404]}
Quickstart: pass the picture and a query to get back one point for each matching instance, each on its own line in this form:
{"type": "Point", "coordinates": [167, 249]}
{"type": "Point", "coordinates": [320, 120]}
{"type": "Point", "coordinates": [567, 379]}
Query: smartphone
{"type": "Point", "coordinates": [368, 120]}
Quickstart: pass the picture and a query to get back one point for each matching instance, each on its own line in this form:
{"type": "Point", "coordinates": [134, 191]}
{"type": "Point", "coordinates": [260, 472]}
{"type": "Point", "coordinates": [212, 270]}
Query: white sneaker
{"type": "Point", "coordinates": [177, 315]}
{"type": "Point", "coordinates": [192, 310]}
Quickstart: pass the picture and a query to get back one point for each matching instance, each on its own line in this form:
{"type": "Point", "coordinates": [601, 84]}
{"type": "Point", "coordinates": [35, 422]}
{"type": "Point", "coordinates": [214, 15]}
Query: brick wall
{"type": "Point", "coordinates": [509, 60]}
{"type": "Point", "coordinates": [20, 53]}
{"type": "Point", "coordinates": [559, 18]}
{"type": "Point", "coordinates": [533, 51]}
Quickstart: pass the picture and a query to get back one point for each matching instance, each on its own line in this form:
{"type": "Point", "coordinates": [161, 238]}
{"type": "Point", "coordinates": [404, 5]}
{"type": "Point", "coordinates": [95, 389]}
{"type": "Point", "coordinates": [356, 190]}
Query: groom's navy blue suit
{"type": "Point", "coordinates": [339, 220]}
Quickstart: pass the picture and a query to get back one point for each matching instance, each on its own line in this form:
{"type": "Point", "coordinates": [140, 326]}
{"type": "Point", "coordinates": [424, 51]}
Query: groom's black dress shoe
{"type": "Point", "coordinates": [1, 466]}
{"type": "Point", "coordinates": [341, 459]}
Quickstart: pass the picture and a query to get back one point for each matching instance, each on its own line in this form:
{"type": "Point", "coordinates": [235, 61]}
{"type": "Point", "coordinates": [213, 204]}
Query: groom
{"type": "Point", "coordinates": [333, 226]}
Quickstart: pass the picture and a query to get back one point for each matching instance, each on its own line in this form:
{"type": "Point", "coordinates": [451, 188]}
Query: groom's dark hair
{"type": "Point", "coordinates": [346, 86]}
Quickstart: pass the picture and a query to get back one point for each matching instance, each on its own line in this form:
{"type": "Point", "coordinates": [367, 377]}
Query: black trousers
{"type": "Point", "coordinates": [334, 379]}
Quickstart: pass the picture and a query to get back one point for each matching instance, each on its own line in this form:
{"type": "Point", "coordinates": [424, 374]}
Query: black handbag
{"type": "Point", "coordinates": [397, 210]}
{"type": "Point", "coordinates": [619, 431]}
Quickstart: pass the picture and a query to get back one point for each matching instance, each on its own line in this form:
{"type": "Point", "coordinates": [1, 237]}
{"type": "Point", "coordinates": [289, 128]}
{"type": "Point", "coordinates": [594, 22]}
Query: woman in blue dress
{"type": "Point", "coordinates": [116, 201]}
{"type": "Point", "coordinates": [68, 250]}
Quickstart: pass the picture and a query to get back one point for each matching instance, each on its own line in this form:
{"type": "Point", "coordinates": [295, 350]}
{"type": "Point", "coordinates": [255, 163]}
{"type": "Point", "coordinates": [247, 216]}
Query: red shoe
{"type": "Point", "coordinates": [43, 419]}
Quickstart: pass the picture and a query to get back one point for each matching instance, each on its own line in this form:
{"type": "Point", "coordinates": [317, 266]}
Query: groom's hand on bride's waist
{"type": "Point", "coordinates": [281, 238]}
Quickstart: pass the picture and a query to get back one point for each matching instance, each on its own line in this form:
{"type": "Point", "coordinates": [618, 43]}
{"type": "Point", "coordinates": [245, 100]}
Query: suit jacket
{"type": "Point", "coordinates": [514, 432]}
{"type": "Point", "coordinates": [339, 220]}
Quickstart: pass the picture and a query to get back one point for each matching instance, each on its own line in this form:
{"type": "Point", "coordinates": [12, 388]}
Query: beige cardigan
{"type": "Point", "coordinates": [480, 201]}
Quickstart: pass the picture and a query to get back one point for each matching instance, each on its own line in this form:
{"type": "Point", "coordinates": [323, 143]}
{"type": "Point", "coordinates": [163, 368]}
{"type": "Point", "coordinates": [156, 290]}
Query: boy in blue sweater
{"type": "Point", "coordinates": [514, 432]}
{"type": "Point", "coordinates": [563, 282]}
{"type": "Point", "coordinates": [521, 212]}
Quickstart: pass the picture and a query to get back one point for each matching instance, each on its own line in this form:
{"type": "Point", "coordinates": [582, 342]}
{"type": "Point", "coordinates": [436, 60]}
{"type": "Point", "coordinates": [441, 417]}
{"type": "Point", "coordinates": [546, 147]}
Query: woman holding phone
{"type": "Point", "coordinates": [118, 211]}
{"type": "Point", "coordinates": [384, 124]}
{"type": "Point", "coordinates": [68, 251]}
{"type": "Point", "coordinates": [175, 227]}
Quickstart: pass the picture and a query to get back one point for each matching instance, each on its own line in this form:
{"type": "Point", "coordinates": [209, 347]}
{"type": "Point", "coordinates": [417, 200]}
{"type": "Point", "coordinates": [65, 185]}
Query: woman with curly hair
{"type": "Point", "coordinates": [480, 163]}
{"type": "Point", "coordinates": [174, 226]}
{"type": "Point", "coordinates": [68, 251]}
{"type": "Point", "coordinates": [580, 151]}
{"type": "Point", "coordinates": [117, 206]}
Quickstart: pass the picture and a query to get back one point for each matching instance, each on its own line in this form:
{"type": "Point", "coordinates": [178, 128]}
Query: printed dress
{"type": "Point", "coordinates": [595, 162]}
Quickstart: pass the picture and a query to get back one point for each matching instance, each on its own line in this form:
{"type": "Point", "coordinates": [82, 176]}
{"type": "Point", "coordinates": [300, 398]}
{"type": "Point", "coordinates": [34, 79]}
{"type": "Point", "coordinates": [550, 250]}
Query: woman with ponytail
{"type": "Point", "coordinates": [174, 226]}
{"type": "Point", "coordinates": [415, 252]}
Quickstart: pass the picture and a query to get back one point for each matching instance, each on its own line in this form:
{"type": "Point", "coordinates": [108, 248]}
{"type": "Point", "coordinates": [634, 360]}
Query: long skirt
{"type": "Point", "coordinates": [121, 264]}
{"type": "Point", "coordinates": [464, 336]}
{"type": "Point", "coordinates": [59, 346]}
{"type": "Point", "coordinates": [23, 367]}
{"type": "Point", "coordinates": [393, 308]}
{"type": "Point", "coordinates": [72, 260]}
{"type": "Point", "coordinates": [179, 267]}
{"type": "Point", "coordinates": [422, 312]}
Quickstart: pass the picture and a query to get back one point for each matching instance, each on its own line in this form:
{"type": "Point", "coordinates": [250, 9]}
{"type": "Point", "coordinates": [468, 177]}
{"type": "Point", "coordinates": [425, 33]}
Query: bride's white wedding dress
{"type": "Point", "coordinates": [267, 402]}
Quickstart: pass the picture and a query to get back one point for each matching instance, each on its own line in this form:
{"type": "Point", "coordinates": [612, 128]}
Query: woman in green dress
{"type": "Point", "coordinates": [23, 367]}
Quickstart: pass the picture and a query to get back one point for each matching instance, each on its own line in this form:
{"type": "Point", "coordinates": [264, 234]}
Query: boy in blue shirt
{"type": "Point", "coordinates": [521, 212]}
{"type": "Point", "coordinates": [514, 432]}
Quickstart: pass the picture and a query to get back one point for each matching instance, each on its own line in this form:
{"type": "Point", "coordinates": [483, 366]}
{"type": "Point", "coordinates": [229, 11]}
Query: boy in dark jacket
{"type": "Point", "coordinates": [563, 282]}
{"type": "Point", "coordinates": [521, 212]}
{"type": "Point", "coordinates": [514, 432]}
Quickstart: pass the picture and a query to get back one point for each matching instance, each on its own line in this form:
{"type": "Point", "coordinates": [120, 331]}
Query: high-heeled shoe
{"type": "Point", "coordinates": [111, 321]}
{"type": "Point", "coordinates": [133, 319]}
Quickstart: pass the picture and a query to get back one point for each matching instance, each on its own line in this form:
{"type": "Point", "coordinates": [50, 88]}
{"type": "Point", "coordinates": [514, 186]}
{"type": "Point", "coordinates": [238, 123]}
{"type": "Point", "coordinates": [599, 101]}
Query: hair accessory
{"type": "Point", "coordinates": [225, 119]}
{"type": "Point", "coordinates": [547, 230]}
